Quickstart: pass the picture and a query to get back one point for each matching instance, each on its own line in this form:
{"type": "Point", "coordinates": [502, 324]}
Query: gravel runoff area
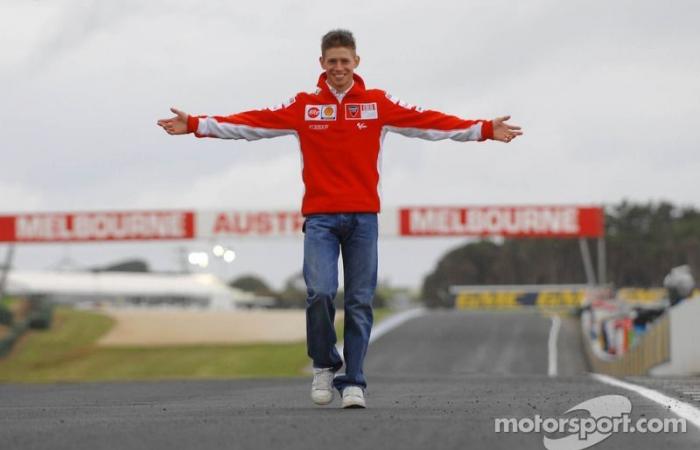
{"type": "Point", "coordinates": [437, 381]}
{"type": "Point", "coordinates": [148, 327]}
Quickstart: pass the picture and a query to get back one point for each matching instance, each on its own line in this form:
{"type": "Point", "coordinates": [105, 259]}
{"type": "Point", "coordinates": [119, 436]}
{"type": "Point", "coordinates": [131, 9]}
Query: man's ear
{"type": "Point", "coordinates": [357, 60]}
{"type": "Point", "coordinates": [320, 61]}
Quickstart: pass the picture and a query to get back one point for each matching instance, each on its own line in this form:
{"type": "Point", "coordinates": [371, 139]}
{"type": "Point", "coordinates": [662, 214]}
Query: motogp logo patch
{"type": "Point", "coordinates": [361, 111]}
{"type": "Point", "coordinates": [320, 112]}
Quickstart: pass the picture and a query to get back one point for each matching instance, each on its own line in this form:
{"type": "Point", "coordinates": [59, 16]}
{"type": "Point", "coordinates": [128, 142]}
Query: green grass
{"type": "Point", "coordinates": [67, 352]}
{"type": "Point", "coordinates": [37, 354]}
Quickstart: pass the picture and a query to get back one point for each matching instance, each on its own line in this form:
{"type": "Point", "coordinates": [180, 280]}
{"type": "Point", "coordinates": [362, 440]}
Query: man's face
{"type": "Point", "coordinates": [339, 64]}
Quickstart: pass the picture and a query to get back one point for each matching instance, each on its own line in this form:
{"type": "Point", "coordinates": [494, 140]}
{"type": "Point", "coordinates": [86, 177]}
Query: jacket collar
{"type": "Point", "coordinates": [357, 87]}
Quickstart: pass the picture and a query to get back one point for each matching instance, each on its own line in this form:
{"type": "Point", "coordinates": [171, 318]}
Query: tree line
{"type": "Point", "coordinates": [293, 294]}
{"type": "Point", "coordinates": [643, 242]}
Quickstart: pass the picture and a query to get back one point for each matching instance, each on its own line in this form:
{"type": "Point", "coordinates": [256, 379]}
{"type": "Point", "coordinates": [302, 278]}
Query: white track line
{"type": "Point", "coordinates": [679, 408]}
{"type": "Point", "coordinates": [394, 321]}
{"type": "Point", "coordinates": [552, 346]}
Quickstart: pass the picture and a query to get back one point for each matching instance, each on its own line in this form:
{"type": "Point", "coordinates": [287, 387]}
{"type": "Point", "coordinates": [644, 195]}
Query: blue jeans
{"type": "Point", "coordinates": [325, 237]}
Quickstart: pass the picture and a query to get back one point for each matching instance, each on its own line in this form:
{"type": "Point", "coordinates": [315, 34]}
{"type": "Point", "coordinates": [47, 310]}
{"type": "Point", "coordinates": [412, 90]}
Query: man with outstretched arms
{"type": "Point", "coordinates": [341, 128]}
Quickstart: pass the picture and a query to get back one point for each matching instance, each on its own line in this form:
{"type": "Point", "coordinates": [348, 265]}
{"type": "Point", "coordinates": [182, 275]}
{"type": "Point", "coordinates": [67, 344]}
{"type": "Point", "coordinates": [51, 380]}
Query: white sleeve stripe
{"type": "Point", "coordinates": [209, 126]}
{"type": "Point", "coordinates": [472, 133]}
{"type": "Point", "coordinates": [380, 158]}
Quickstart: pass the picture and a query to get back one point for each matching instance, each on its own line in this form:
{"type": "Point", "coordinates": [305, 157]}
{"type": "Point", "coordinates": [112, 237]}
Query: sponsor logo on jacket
{"type": "Point", "coordinates": [361, 111]}
{"type": "Point", "coordinates": [320, 112]}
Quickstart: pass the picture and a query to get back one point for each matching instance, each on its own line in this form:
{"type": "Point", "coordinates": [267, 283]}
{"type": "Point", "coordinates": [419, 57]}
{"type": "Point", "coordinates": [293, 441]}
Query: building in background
{"type": "Point", "coordinates": [127, 289]}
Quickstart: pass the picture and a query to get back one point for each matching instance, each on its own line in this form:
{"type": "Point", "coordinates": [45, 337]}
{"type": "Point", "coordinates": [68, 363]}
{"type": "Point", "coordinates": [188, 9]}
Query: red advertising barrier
{"type": "Point", "coordinates": [518, 221]}
{"type": "Point", "coordinates": [249, 224]}
{"type": "Point", "coordinates": [97, 226]}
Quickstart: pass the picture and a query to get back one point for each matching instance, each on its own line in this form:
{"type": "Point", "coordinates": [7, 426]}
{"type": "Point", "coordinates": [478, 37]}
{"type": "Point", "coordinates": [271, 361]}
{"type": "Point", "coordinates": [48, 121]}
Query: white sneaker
{"type": "Point", "coordinates": [353, 397]}
{"type": "Point", "coordinates": [322, 386]}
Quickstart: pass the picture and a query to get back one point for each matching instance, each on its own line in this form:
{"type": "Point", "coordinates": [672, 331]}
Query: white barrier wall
{"type": "Point", "coordinates": [684, 337]}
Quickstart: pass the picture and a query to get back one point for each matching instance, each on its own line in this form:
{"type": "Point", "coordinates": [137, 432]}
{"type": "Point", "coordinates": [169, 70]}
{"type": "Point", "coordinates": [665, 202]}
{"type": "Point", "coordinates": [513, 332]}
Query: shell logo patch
{"type": "Point", "coordinates": [320, 112]}
{"type": "Point", "coordinates": [361, 111]}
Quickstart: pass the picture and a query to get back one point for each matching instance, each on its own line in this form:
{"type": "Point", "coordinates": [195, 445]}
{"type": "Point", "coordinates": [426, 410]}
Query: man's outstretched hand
{"type": "Point", "coordinates": [503, 131]}
{"type": "Point", "coordinates": [178, 124]}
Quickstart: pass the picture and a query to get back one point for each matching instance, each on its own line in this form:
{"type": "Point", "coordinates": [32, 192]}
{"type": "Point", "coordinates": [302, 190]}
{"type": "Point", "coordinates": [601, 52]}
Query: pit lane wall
{"type": "Point", "coordinates": [668, 345]}
{"type": "Point", "coordinates": [684, 335]}
{"type": "Point", "coordinates": [652, 349]}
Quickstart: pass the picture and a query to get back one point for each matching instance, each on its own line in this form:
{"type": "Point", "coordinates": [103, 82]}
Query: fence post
{"type": "Point", "coordinates": [587, 262]}
{"type": "Point", "coordinates": [6, 269]}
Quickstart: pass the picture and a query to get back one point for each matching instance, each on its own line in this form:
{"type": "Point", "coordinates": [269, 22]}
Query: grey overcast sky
{"type": "Point", "coordinates": [608, 93]}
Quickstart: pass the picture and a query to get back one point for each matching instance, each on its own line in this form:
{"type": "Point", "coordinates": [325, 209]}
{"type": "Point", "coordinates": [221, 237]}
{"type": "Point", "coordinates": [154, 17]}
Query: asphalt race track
{"type": "Point", "coordinates": [436, 382]}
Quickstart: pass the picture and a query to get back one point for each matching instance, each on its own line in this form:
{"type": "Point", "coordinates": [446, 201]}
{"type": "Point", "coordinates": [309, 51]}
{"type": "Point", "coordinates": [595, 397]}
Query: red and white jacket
{"type": "Point", "coordinates": [341, 141]}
